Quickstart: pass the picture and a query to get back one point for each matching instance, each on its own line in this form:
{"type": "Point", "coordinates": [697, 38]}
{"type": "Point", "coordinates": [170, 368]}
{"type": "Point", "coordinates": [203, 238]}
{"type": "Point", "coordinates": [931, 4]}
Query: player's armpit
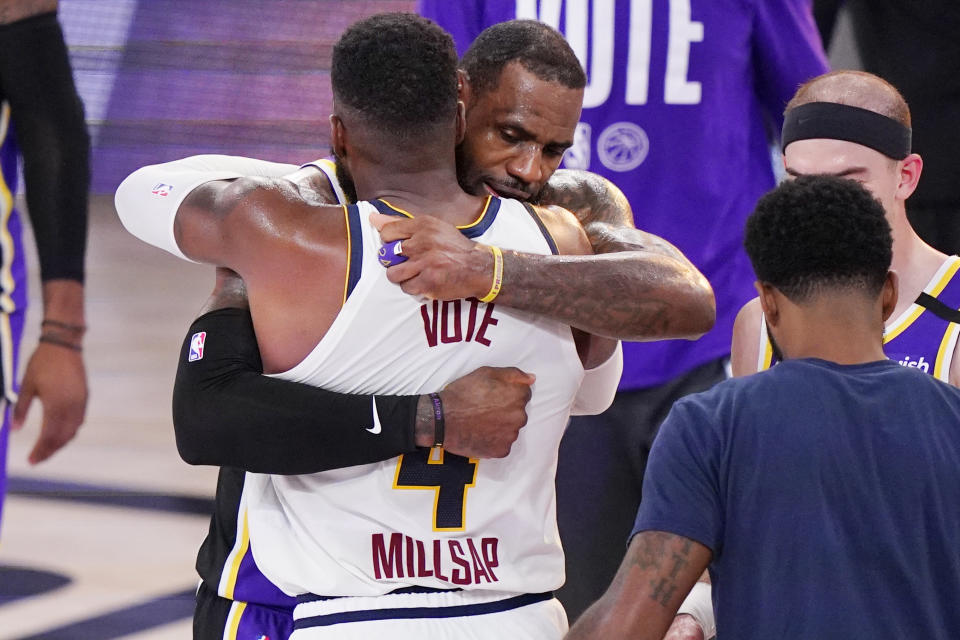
{"type": "Point", "coordinates": [656, 574]}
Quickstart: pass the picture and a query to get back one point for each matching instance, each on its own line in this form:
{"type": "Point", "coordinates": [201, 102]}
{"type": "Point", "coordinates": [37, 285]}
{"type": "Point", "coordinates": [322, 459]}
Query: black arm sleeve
{"type": "Point", "coordinates": [226, 413]}
{"type": "Point", "coordinates": [36, 80]}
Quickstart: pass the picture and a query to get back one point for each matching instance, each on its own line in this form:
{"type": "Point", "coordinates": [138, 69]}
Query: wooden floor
{"type": "Point", "coordinates": [98, 512]}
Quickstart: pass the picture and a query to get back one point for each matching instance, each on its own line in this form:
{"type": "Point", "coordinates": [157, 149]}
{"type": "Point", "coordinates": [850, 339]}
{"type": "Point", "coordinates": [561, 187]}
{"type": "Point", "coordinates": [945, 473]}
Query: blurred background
{"type": "Point", "coordinates": [99, 541]}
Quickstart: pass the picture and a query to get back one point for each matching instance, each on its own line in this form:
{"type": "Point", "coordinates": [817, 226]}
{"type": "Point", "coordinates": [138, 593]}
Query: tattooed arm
{"type": "Point", "coordinates": [656, 574]}
{"type": "Point", "coordinates": [639, 287]}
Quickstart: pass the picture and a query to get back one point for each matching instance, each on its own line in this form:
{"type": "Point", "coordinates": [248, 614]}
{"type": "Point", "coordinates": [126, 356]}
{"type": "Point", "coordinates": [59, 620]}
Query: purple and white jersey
{"type": "Point", "coordinates": [680, 96]}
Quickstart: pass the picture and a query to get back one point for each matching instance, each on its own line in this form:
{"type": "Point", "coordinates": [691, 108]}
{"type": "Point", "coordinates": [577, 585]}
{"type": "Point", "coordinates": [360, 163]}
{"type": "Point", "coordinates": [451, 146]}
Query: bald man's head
{"type": "Point", "coordinates": [855, 89]}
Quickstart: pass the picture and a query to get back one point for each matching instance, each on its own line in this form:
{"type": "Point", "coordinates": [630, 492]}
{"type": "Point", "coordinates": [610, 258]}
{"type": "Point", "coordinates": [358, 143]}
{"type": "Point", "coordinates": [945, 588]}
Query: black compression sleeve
{"type": "Point", "coordinates": [47, 114]}
{"type": "Point", "coordinates": [226, 413]}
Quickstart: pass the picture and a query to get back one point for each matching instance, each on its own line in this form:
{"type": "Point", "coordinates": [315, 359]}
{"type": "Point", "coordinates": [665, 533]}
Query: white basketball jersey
{"type": "Point", "coordinates": [428, 518]}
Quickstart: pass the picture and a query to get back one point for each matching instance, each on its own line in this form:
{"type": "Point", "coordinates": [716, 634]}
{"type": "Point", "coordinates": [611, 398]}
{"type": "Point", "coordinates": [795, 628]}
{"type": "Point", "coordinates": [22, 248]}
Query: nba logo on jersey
{"type": "Point", "coordinates": [196, 346]}
{"type": "Point", "coordinates": [161, 189]}
{"type": "Point", "coordinates": [263, 637]}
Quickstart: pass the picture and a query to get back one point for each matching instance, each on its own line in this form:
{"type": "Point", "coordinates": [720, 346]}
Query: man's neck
{"type": "Point", "coordinates": [836, 330]}
{"type": "Point", "coordinates": [432, 192]}
{"type": "Point", "coordinates": [914, 261]}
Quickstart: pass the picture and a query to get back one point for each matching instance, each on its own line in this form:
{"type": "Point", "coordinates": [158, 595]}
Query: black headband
{"type": "Point", "coordinates": [843, 122]}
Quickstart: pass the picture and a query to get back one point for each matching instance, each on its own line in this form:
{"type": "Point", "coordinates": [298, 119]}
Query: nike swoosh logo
{"type": "Point", "coordinates": [376, 428]}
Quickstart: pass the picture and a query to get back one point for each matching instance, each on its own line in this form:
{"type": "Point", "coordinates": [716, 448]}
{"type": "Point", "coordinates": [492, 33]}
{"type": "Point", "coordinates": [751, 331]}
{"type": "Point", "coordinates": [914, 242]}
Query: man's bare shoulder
{"type": "Point", "coordinates": [591, 197]}
{"type": "Point", "coordinates": [565, 229]}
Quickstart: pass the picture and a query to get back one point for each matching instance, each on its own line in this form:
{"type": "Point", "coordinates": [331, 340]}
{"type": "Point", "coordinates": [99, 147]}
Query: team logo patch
{"type": "Point", "coordinates": [623, 146]}
{"type": "Point", "coordinates": [161, 189]}
{"type": "Point", "coordinates": [196, 346]}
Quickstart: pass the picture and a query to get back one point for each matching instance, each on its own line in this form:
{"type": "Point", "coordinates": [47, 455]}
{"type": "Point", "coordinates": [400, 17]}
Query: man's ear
{"type": "Point", "coordinates": [461, 121]}
{"type": "Point", "coordinates": [910, 169]}
{"type": "Point", "coordinates": [768, 302]}
{"type": "Point", "coordinates": [338, 136]}
{"type": "Point", "coordinates": [889, 294]}
{"type": "Point", "coordinates": [464, 90]}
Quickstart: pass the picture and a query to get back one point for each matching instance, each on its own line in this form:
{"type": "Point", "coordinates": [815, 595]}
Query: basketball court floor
{"type": "Point", "coordinates": [99, 541]}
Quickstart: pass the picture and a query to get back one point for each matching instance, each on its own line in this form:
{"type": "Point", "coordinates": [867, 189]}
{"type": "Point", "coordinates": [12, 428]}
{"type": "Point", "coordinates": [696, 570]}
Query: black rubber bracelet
{"type": "Point", "coordinates": [60, 342]}
{"type": "Point", "coordinates": [79, 328]}
{"type": "Point", "coordinates": [438, 425]}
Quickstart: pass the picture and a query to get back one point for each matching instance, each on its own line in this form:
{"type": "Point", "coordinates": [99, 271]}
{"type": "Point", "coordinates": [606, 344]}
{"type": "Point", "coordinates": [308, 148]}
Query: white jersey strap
{"type": "Point", "coordinates": [329, 168]}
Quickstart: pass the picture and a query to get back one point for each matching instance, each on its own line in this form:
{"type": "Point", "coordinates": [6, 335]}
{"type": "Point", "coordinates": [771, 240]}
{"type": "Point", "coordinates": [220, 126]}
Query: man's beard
{"type": "Point", "coordinates": [777, 354]}
{"type": "Point", "coordinates": [343, 177]}
{"type": "Point", "coordinates": [476, 187]}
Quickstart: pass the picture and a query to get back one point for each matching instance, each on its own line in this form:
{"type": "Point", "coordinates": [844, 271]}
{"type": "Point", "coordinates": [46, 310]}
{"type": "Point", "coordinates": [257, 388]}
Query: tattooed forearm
{"type": "Point", "coordinates": [627, 295]}
{"type": "Point", "coordinates": [656, 574]}
{"type": "Point", "coordinates": [642, 288]}
{"type": "Point", "coordinates": [665, 557]}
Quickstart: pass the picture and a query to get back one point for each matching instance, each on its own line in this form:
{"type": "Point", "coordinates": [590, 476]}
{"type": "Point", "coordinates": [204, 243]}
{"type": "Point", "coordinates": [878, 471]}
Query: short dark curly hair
{"type": "Point", "coordinates": [818, 232]}
{"type": "Point", "coordinates": [398, 71]}
{"type": "Point", "coordinates": [539, 48]}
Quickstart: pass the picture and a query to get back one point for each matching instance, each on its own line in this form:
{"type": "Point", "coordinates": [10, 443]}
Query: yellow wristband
{"type": "Point", "coordinates": [497, 275]}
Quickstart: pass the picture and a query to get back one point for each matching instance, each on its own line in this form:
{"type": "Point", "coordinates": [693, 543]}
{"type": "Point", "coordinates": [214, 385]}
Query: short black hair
{"type": "Point", "coordinates": [818, 232]}
{"type": "Point", "coordinates": [398, 71]}
{"type": "Point", "coordinates": [539, 48]}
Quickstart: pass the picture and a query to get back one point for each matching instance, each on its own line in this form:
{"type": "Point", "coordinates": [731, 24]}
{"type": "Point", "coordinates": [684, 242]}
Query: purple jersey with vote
{"type": "Point", "coordinates": [679, 98]}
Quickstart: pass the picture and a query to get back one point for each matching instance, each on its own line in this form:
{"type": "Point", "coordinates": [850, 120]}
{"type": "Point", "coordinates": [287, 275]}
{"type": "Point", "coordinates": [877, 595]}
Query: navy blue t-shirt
{"type": "Point", "coordinates": [829, 495]}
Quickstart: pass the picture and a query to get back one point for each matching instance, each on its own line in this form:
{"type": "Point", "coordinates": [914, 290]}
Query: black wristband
{"type": "Point", "coordinates": [60, 342]}
{"type": "Point", "coordinates": [438, 424]}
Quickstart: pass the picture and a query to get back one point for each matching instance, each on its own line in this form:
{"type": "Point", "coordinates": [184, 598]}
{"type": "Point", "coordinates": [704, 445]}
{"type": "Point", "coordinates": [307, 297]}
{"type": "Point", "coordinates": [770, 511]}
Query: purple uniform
{"type": "Point", "coordinates": [674, 114]}
{"type": "Point", "coordinates": [13, 284]}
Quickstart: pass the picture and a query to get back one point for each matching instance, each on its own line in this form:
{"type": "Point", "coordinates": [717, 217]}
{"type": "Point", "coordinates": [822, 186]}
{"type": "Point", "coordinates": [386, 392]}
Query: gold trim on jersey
{"type": "Point", "coordinates": [765, 359]}
{"type": "Point", "coordinates": [233, 620]}
{"type": "Point", "coordinates": [479, 219]}
{"type": "Point", "coordinates": [939, 281]}
{"type": "Point", "coordinates": [346, 277]}
{"type": "Point", "coordinates": [240, 547]}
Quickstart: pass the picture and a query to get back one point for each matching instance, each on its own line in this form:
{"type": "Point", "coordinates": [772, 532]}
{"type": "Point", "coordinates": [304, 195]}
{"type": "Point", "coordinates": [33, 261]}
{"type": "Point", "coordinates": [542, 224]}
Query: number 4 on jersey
{"type": "Point", "coordinates": [448, 475]}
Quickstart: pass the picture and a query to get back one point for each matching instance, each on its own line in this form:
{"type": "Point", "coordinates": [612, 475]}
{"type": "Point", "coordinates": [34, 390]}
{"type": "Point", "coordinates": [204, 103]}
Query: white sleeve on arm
{"type": "Point", "coordinates": [699, 604]}
{"type": "Point", "coordinates": [599, 386]}
{"type": "Point", "coordinates": [148, 199]}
